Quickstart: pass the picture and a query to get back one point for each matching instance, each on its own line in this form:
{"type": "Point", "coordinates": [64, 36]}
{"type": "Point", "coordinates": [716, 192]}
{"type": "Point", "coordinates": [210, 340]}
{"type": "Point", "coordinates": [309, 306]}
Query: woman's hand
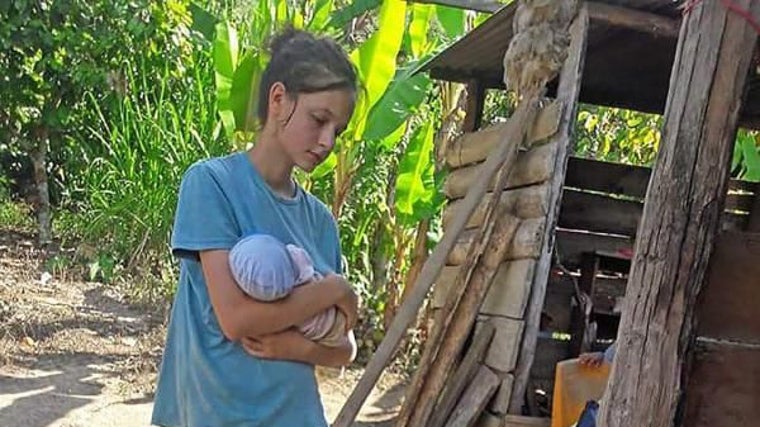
{"type": "Point", "coordinates": [591, 360]}
{"type": "Point", "coordinates": [292, 345]}
{"type": "Point", "coordinates": [348, 302]}
{"type": "Point", "coordinates": [286, 345]}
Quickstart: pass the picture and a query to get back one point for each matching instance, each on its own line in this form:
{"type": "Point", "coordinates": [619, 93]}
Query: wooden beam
{"type": "Point", "coordinates": [569, 88]}
{"type": "Point", "coordinates": [464, 373]}
{"type": "Point", "coordinates": [637, 20]}
{"type": "Point", "coordinates": [599, 213]}
{"type": "Point", "coordinates": [474, 399]}
{"type": "Point", "coordinates": [476, 99]}
{"type": "Point", "coordinates": [681, 216]}
{"type": "Point", "coordinates": [572, 244]}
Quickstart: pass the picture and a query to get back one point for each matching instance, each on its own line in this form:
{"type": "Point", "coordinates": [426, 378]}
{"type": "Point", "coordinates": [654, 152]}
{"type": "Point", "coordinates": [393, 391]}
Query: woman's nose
{"type": "Point", "coordinates": [327, 139]}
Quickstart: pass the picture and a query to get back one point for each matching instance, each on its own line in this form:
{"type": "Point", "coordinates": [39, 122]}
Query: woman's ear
{"type": "Point", "coordinates": [278, 102]}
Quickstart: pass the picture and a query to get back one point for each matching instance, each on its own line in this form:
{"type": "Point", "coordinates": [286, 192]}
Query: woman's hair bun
{"type": "Point", "coordinates": [286, 37]}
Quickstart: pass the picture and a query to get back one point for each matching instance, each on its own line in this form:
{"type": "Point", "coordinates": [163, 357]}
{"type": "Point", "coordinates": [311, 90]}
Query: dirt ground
{"type": "Point", "coordinates": [76, 353]}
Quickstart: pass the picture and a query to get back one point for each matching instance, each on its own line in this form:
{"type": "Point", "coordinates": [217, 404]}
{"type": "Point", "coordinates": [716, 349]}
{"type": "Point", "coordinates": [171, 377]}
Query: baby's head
{"type": "Point", "coordinates": [267, 269]}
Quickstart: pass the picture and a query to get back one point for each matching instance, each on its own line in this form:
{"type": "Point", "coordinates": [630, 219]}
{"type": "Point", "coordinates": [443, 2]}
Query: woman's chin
{"type": "Point", "coordinates": [307, 166]}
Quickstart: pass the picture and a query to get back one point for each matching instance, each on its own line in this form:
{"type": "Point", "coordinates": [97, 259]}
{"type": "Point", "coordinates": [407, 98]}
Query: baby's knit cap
{"type": "Point", "coordinates": [262, 267]}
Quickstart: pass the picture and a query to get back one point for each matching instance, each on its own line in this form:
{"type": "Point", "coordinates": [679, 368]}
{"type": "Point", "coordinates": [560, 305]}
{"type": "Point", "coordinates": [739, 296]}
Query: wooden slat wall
{"type": "Point", "coordinates": [603, 202]}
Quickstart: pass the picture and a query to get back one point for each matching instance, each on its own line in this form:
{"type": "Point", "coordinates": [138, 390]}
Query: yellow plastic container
{"type": "Point", "coordinates": [574, 385]}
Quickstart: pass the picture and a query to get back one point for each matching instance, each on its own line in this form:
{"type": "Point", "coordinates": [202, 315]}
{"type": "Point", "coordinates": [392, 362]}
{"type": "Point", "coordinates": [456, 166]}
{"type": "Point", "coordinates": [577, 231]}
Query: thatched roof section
{"type": "Point", "coordinates": [628, 62]}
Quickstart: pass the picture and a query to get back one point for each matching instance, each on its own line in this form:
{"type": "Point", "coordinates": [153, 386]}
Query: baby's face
{"type": "Point", "coordinates": [303, 265]}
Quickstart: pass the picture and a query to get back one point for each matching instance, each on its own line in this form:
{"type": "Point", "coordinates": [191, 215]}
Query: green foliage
{"type": "Point", "coordinates": [376, 59]}
{"type": "Point", "coordinates": [415, 187]}
{"type": "Point", "coordinates": [52, 52]}
{"type": "Point", "coordinates": [399, 102]}
{"type": "Point", "coordinates": [617, 135]}
{"type": "Point", "coordinates": [343, 16]}
{"type": "Point", "coordinates": [133, 92]}
{"type": "Point", "coordinates": [129, 192]}
{"type": "Point", "coordinates": [15, 215]}
{"type": "Point", "coordinates": [746, 160]}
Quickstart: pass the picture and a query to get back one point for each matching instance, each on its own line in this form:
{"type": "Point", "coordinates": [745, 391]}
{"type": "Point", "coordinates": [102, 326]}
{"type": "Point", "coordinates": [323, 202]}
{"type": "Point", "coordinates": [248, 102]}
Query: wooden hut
{"type": "Point", "coordinates": [587, 233]}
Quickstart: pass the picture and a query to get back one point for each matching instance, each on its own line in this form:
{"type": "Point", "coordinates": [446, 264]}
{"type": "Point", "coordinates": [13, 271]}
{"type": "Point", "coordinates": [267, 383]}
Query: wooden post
{"type": "Point", "coordinates": [681, 216]}
{"type": "Point", "coordinates": [476, 99]}
{"type": "Point", "coordinates": [569, 89]}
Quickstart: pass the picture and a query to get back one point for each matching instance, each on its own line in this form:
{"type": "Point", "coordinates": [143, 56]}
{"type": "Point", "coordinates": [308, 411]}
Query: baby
{"type": "Point", "coordinates": [267, 270]}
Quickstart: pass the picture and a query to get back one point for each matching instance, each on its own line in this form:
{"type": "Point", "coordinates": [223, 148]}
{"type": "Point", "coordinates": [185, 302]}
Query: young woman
{"type": "Point", "coordinates": [230, 360]}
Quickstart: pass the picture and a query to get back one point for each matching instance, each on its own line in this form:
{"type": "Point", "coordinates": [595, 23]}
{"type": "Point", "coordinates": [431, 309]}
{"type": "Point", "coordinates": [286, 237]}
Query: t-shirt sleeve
{"type": "Point", "coordinates": [334, 238]}
{"type": "Point", "coordinates": [204, 219]}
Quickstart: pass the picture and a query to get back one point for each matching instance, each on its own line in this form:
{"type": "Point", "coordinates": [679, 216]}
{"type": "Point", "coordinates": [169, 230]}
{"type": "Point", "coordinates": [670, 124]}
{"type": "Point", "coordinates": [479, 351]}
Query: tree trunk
{"type": "Point", "coordinates": [38, 155]}
{"type": "Point", "coordinates": [681, 216]}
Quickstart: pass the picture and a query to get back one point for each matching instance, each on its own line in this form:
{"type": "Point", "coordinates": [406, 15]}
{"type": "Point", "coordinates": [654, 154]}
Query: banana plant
{"type": "Point", "coordinates": [240, 61]}
{"type": "Point", "coordinates": [746, 157]}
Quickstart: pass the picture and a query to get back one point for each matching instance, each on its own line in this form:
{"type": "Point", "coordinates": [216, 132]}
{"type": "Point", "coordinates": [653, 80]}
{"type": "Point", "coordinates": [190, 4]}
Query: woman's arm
{"type": "Point", "coordinates": [292, 345]}
{"type": "Point", "coordinates": [241, 316]}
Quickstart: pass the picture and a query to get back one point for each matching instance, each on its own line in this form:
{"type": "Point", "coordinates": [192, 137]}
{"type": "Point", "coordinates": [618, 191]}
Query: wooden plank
{"type": "Point", "coordinates": [598, 213]}
{"type": "Point", "coordinates": [632, 19]}
{"type": "Point", "coordinates": [607, 177]}
{"type": "Point", "coordinates": [475, 399]}
{"type": "Point", "coordinates": [567, 93]}
{"type": "Point", "coordinates": [603, 214]}
{"type": "Point", "coordinates": [685, 199]}
{"type": "Point", "coordinates": [592, 175]}
{"type": "Point", "coordinates": [500, 402]}
{"type": "Point", "coordinates": [464, 373]}
{"type": "Point", "coordinates": [728, 307]}
{"type": "Point", "coordinates": [724, 386]}
{"type": "Point", "coordinates": [629, 180]}
{"type": "Point", "coordinates": [571, 244]}
{"type": "Point", "coordinates": [744, 186]}
{"type": "Point", "coordinates": [740, 202]}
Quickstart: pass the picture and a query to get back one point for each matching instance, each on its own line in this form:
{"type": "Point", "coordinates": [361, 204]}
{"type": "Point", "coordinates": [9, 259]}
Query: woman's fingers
{"type": "Point", "coordinates": [253, 346]}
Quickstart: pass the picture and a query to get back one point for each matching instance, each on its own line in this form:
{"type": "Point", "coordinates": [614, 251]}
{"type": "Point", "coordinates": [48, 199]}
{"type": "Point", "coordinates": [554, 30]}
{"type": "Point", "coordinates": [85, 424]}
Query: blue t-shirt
{"type": "Point", "coordinates": [207, 380]}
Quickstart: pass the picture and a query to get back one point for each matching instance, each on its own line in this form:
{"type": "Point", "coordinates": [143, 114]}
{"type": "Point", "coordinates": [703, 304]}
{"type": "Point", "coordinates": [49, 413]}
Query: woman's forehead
{"type": "Point", "coordinates": [339, 104]}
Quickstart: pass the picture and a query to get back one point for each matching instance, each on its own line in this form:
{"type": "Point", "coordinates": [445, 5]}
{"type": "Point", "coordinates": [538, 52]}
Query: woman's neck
{"type": "Point", "coordinates": [273, 166]}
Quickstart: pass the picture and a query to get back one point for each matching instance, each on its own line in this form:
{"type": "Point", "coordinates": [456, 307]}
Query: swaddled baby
{"type": "Point", "coordinates": [267, 270]}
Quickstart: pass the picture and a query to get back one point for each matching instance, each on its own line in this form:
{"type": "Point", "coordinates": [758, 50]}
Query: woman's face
{"type": "Point", "coordinates": [309, 125]}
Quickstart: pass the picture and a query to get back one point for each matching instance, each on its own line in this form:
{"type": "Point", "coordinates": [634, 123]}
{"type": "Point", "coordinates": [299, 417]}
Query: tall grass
{"type": "Point", "coordinates": [136, 155]}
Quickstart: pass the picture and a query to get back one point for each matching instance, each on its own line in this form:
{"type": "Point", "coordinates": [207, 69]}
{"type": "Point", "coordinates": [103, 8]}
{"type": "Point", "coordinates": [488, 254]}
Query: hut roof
{"type": "Point", "coordinates": [630, 53]}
